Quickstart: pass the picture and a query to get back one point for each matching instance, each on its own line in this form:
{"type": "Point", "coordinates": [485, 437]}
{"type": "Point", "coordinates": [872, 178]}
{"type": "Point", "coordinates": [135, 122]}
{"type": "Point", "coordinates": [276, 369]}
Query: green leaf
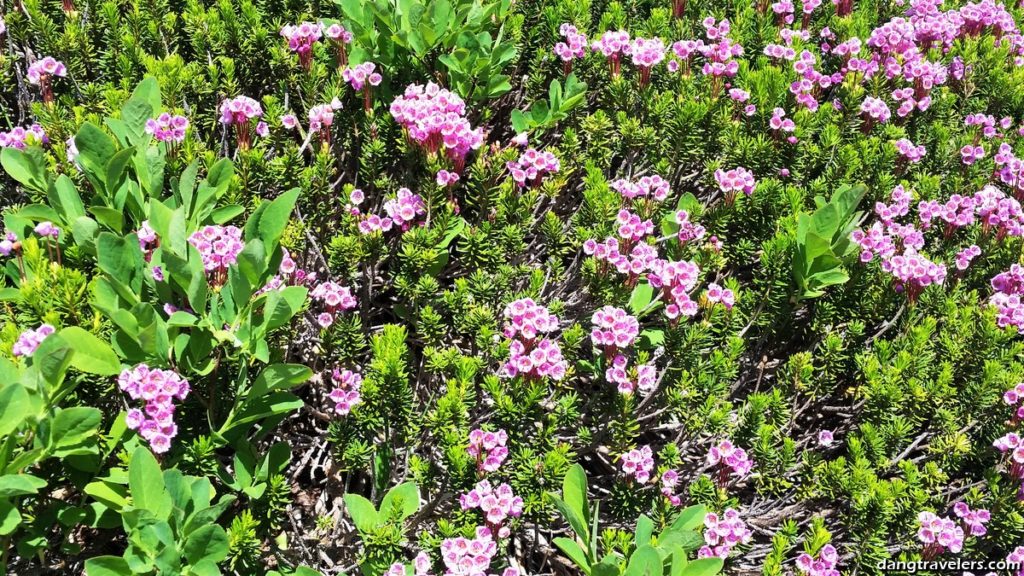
{"type": "Point", "coordinates": [606, 567]}
{"type": "Point", "coordinates": [74, 430]}
{"type": "Point", "coordinates": [109, 217]}
{"type": "Point", "coordinates": [209, 543]}
{"type": "Point", "coordinates": [651, 339]}
{"type": "Point", "coordinates": [121, 258]}
{"type": "Point", "coordinates": [574, 492]}
{"type": "Point", "coordinates": [282, 305]}
{"type": "Point", "coordinates": [679, 562]}
{"type": "Point", "coordinates": [146, 483]}
{"type": "Point", "coordinates": [574, 552]}
{"type": "Point", "coordinates": [26, 167]}
{"type": "Point", "coordinates": [95, 149]}
{"type": "Point", "coordinates": [10, 518]}
{"type": "Point", "coordinates": [520, 122]}
{"type": "Point", "coordinates": [691, 518]}
{"type": "Point", "coordinates": [115, 496]}
{"type": "Point", "coordinates": [641, 297]}
{"type": "Point", "coordinates": [68, 200]}
{"type": "Point", "coordinates": [53, 358]}
{"type": "Point", "coordinates": [115, 168]}
{"type": "Point", "coordinates": [269, 220]}
{"type": "Point", "coordinates": [14, 407]}
{"type": "Point", "coordinates": [645, 561]}
{"type": "Point", "coordinates": [279, 377]}
{"type": "Point", "coordinates": [644, 530]}
{"type": "Point", "coordinates": [703, 567]}
{"type": "Point", "coordinates": [362, 512]}
{"type": "Point", "coordinates": [405, 496]}
{"type": "Point", "coordinates": [148, 91]}
{"type": "Point", "coordinates": [107, 566]}
{"type": "Point", "coordinates": [12, 485]}
{"type": "Point", "coordinates": [227, 213]}
{"type": "Point", "coordinates": [577, 522]}
{"type": "Point", "coordinates": [91, 355]}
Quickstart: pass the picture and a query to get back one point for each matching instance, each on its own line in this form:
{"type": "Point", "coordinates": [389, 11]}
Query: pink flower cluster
{"type": "Point", "coordinates": [643, 377]}
{"type": "Point", "coordinates": [20, 138]}
{"type": "Point", "coordinates": [362, 74]}
{"type": "Point", "coordinates": [716, 294]}
{"type": "Point", "coordinates": [321, 117]}
{"type": "Point", "coordinates": [573, 47]}
{"type": "Point", "coordinates": [29, 340]}
{"type": "Point", "coordinates": [148, 239]}
{"type": "Point", "coordinates": [911, 270]}
{"type": "Point", "coordinates": [876, 110]}
{"type": "Point", "coordinates": [722, 533]}
{"type": "Point", "coordinates": [914, 272]}
{"type": "Point", "coordinates": [288, 273]}
{"type": "Point", "coordinates": [338, 36]}
{"type": "Point", "coordinates": [639, 259]}
{"type": "Point", "coordinates": [335, 298]}
{"type": "Point", "coordinates": [780, 122]}
{"type": "Point", "coordinates": [613, 45]}
{"type": "Point", "coordinates": [964, 257]}
{"type": "Point", "coordinates": [535, 360]}
{"type": "Point", "coordinates": [528, 357]}
{"type": "Point", "coordinates": [497, 503]}
{"type": "Point", "coordinates": [970, 154]}
{"type": "Point", "coordinates": [301, 38]}
{"type": "Point", "coordinates": [1015, 397]}
{"type": "Point", "coordinates": [219, 247]}
{"type": "Point", "coordinates": [909, 151]}
{"type": "Point", "coordinates": [646, 53]}
{"type": "Point", "coordinates": [938, 535]}
{"type": "Point", "coordinates": [527, 320]}
{"type": "Point", "coordinates": [434, 118]}
{"type": "Point", "coordinates": [998, 211]}
{"type": "Point", "coordinates": [167, 128]}
{"type": "Point", "coordinates": [345, 394]}
{"type": "Point", "coordinates": [669, 482]}
{"type": "Point", "coordinates": [736, 180]}
{"type": "Point", "coordinates": [465, 557]}
{"type": "Point", "coordinates": [446, 178]}
{"type": "Point", "coordinates": [47, 229]}
{"type": "Point", "coordinates": [1013, 444]}
{"type": "Point", "coordinates": [336, 32]}
{"type": "Point", "coordinates": [614, 329]}
{"type": "Point", "coordinates": [239, 111]}
{"type": "Point", "coordinates": [730, 459]}
{"type": "Point", "coordinates": [1009, 288]}
{"type": "Point", "coordinates": [653, 186]}
{"type": "Point", "coordinates": [488, 449]}
{"type": "Point", "coordinates": [1017, 557]}
{"type": "Point", "coordinates": [688, 231]}
{"type": "Point", "coordinates": [532, 166]}
{"type": "Point", "coordinates": [40, 71]}
{"type": "Point", "coordinates": [675, 280]}
{"type": "Point", "coordinates": [158, 389]}
{"type": "Point", "coordinates": [637, 464]}
{"type": "Point", "coordinates": [719, 54]}
{"type": "Point", "coordinates": [631, 228]}
{"type": "Point", "coordinates": [975, 520]}
{"type": "Point", "coordinates": [1009, 168]}
{"type": "Point", "coordinates": [823, 565]}
{"type": "Point", "coordinates": [405, 207]}
{"type": "Point", "coordinates": [8, 242]}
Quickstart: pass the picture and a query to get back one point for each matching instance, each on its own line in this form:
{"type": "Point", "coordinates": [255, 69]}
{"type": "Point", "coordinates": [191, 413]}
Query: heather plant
{"type": "Point", "coordinates": [481, 287]}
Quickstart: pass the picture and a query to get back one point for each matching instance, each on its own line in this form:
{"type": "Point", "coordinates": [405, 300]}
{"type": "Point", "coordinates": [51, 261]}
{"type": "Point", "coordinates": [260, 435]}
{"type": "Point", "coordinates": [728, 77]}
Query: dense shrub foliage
{"type": "Point", "coordinates": [511, 287]}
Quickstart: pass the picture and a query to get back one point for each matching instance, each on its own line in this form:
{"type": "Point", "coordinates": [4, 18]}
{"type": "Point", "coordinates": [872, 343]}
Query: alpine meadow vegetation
{"type": "Point", "coordinates": [511, 287]}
